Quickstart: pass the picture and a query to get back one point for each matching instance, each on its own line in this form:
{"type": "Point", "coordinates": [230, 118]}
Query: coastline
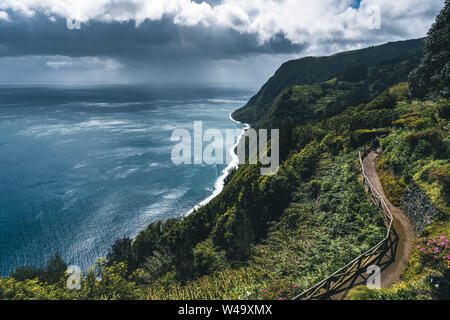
{"type": "Point", "coordinates": [220, 182]}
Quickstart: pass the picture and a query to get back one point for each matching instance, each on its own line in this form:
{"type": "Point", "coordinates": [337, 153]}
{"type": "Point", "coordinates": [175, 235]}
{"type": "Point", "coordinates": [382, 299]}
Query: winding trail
{"type": "Point", "coordinates": [401, 225]}
{"type": "Point", "coordinates": [391, 255]}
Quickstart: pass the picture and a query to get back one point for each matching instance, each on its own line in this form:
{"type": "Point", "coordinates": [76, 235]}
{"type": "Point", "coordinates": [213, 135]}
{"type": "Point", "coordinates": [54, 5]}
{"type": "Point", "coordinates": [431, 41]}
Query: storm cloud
{"type": "Point", "coordinates": [167, 40]}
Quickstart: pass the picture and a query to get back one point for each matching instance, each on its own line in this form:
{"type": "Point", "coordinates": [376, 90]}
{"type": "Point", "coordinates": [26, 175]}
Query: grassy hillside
{"type": "Point", "coordinates": [316, 70]}
{"type": "Point", "coordinates": [417, 151]}
{"type": "Point", "coordinates": [272, 237]}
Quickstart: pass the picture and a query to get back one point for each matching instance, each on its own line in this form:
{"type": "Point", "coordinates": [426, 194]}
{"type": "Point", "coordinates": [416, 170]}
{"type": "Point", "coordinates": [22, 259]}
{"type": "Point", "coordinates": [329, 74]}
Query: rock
{"type": "Point", "coordinates": [418, 207]}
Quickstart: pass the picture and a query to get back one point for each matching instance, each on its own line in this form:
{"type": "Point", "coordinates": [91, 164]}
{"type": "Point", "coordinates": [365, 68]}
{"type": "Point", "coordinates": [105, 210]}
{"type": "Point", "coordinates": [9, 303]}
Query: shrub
{"type": "Point", "coordinates": [442, 175]}
{"type": "Point", "coordinates": [434, 251]}
{"type": "Point", "coordinates": [280, 290]}
{"type": "Point", "coordinates": [54, 271]}
{"type": "Point", "coordinates": [362, 137]}
{"type": "Point", "coordinates": [122, 251]}
{"type": "Point", "coordinates": [207, 259]}
{"type": "Point", "coordinates": [105, 282]}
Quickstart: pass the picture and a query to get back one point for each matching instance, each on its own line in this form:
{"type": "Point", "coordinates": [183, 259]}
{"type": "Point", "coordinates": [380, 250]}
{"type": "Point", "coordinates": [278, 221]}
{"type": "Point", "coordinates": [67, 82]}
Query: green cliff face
{"type": "Point", "coordinates": [360, 74]}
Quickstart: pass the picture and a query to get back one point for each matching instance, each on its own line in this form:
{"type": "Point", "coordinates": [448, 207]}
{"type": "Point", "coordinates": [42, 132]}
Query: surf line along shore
{"type": "Point", "coordinates": [213, 153]}
{"type": "Point", "coordinates": [233, 164]}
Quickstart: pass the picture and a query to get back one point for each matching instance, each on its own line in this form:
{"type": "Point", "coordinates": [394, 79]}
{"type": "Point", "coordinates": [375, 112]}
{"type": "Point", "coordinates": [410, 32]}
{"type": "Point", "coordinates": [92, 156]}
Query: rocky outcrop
{"type": "Point", "coordinates": [418, 207]}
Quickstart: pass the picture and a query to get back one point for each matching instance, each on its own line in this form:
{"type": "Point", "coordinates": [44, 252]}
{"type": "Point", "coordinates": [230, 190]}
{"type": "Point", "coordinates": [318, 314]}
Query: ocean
{"type": "Point", "coordinates": [81, 166]}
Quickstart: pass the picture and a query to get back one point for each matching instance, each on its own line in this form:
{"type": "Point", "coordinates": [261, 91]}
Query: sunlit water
{"type": "Point", "coordinates": [80, 167]}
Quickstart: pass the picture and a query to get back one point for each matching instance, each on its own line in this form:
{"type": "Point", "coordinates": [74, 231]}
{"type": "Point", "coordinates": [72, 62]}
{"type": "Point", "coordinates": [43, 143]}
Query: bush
{"type": "Point", "coordinates": [54, 271]}
{"type": "Point", "coordinates": [105, 282]}
{"type": "Point", "coordinates": [434, 251]}
{"type": "Point", "coordinates": [362, 137]}
{"type": "Point", "coordinates": [122, 251]}
{"type": "Point", "coordinates": [280, 290]}
{"type": "Point", "coordinates": [207, 259]}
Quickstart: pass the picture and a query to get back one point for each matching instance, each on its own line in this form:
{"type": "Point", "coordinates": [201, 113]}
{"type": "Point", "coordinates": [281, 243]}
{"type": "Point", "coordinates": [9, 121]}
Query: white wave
{"type": "Point", "coordinates": [115, 104]}
{"type": "Point", "coordinates": [175, 194]}
{"type": "Point", "coordinates": [80, 165]}
{"type": "Point", "coordinates": [158, 165]}
{"type": "Point", "coordinates": [226, 101]}
{"type": "Point", "coordinates": [159, 208]}
{"type": "Point", "coordinates": [92, 124]}
{"type": "Point", "coordinates": [127, 173]}
{"type": "Point", "coordinates": [220, 182]}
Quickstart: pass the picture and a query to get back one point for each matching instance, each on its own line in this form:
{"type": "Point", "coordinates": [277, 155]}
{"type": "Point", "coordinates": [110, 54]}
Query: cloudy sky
{"type": "Point", "coordinates": [216, 41]}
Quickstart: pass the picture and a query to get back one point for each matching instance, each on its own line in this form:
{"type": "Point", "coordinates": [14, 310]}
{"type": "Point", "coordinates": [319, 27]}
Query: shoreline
{"type": "Point", "coordinates": [220, 182]}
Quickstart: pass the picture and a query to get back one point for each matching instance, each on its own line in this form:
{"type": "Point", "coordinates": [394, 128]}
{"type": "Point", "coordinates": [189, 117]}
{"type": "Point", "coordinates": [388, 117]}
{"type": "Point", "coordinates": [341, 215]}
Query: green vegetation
{"type": "Point", "coordinates": [418, 151]}
{"type": "Point", "coordinates": [301, 248]}
{"type": "Point", "coordinates": [432, 77]}
{"type": "Point", "coordinates": [308, 103]}
{"type": "Point", "coordinates": [56, 267]}
{"type": "Point", "coordinates": [386, 65]}
{"type": "Point", "coordinates": [427, 276]}
{"type": "Point", "coordinates": [271, 237]}
{"type": "Point", "coordinates": [101, 282]}
{"type": "Point", "coordinates": [264, 237]}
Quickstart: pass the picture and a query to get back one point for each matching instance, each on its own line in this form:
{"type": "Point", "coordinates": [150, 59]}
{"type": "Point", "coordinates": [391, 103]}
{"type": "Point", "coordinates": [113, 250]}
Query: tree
{"type": "Point", "coordinates": [156, 266]}
{"type": "Point", "coordinates": [26, 273]}
{"type": "Point", "coordinates": [208, 259]}
{"type": "Point", "coordinates": [122, 251]}
{"type": "Point", "coordinates": [56, 268]}
{"type": "Point", "coordinates": [432, 77]}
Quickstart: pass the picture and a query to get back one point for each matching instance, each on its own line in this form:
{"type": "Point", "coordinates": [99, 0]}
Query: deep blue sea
{"type": "Point", "coordinates": [83, 166]}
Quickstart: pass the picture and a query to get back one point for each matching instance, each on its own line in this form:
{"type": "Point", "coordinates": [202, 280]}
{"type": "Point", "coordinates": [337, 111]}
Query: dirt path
{"type": "Point", "coordinates": [401, 225]}
{"type": "Point", "coordinates": [392, 270]}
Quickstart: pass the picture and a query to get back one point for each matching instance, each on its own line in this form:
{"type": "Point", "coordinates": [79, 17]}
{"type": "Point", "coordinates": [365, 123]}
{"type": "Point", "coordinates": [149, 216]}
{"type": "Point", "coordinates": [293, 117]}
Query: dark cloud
{"type": "Point", "coordinates": [150, 41]}
{"type": "Point", "coordinates": [225, 41]}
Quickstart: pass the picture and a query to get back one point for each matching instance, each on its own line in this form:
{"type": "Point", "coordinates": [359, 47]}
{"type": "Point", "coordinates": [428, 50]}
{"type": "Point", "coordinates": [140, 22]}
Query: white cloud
{"type": "Point", "coordinates": [58, 64]}
{"type": "Point", "coordinates": [300, 20]}
{"type": "Point", "coordinates": [207, 52]}
{"type": "Point", "coordinates": [4, 16]}
{"type": "Point", "coordinates": [61, 62]}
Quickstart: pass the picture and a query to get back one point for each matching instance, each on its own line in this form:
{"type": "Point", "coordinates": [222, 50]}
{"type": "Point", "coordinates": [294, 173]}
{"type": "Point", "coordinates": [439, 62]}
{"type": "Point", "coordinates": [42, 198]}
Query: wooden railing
{"type": "Point", "coordinates": [381, 255]}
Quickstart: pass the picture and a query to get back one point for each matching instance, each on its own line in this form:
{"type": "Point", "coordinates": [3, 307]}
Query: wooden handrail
{"type": "Point", "coordinates": [335, 283]}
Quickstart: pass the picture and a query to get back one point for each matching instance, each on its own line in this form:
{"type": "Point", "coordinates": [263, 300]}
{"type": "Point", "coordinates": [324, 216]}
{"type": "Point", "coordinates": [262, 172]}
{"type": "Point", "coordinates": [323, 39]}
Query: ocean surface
{"type": "Point", "coordinates": [83, 166]}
